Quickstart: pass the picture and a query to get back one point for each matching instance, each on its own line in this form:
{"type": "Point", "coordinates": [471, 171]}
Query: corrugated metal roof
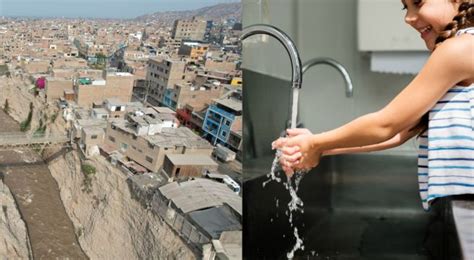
{"type": "Point", "coordinates": [200, 194]}
{"type": "Point", "coordinates": [216, 220]}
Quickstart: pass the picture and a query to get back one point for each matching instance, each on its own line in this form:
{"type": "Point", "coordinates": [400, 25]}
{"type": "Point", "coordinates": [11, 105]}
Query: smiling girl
{"type": "Point", "coordinates": [441, 94]}
{"type": "Point", "coordinates": [437, 106]}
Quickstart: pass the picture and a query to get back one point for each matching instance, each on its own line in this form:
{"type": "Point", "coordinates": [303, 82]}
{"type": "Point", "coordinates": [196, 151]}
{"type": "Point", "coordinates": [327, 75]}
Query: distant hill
{"type": "Point", "coordinates": [215, 12]}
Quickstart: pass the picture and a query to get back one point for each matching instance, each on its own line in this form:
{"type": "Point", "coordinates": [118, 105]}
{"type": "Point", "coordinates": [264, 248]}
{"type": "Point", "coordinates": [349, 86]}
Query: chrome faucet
{"type": "Point", "coordinates": [336, 65]}
{"type": "Point", "coordinates": [297, 72]}
{"type": "Point", "coordinates": [285, 40]}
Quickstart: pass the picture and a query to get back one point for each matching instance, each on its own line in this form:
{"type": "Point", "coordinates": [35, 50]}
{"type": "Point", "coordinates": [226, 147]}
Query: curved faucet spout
{"type": "Point", "coordinates": [286, 41]}
{"type": "Point", "coordinates": [336, 65]}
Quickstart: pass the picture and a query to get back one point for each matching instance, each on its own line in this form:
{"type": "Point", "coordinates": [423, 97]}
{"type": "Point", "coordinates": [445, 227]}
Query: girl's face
{"type": "Point", "coordinates": [430, 17]}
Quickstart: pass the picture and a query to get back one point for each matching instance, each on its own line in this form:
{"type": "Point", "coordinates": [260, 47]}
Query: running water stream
{"type": "Point", "coordinates": [291, 184]}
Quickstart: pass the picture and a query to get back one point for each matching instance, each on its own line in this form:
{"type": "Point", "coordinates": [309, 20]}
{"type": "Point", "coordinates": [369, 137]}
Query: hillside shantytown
{"type": "Point", "coordinates": [122, 138]}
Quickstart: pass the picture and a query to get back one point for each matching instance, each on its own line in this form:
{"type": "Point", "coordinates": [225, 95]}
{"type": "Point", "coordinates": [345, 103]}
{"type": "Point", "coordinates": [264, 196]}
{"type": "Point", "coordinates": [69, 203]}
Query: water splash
{"type": "Point", "coordinates": [298, 245]}
{"type": "Point", "coordinates": [292, 185]}
{"type": "Point", "coordinates": [295, 204]}
{"type": "Point", "coordinates": [274, 170]}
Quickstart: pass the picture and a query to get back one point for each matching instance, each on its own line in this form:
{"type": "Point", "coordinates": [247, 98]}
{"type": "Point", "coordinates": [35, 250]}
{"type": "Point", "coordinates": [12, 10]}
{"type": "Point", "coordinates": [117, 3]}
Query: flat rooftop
{"type": "Point", "coordinates": [163, 110]}
{"type": "Point", "coordinates": [182, 136]}
{"type": "Point", "coordinates": [114, 102]}
{"type": "Point", "coordinates": [191, 159]}
{"type": "Point", "coordinates": [93, 130]}
{"type": "Point", "coordinates": [92, 122]}
{"type": "Point", "coordinates": [169, 137]}
{"type": "Point", "coordinates": [120, 74]}
{"type": "Point", "coordinates": [100, 110]}
{"type": "Point", "coordinates": [231, 103]}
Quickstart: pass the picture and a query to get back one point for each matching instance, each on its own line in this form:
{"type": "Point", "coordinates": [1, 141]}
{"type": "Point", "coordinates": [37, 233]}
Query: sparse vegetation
{"type": "Point", "coordinates": [25, 125]}
{"type": "Point", "coordinates": [6, 106]}
{"type": "Point", "coordinates": [41, 130]}
{"type": "Point", "coordinates": [97, 66]}
{"type": "Point", "coordinates": [4, 70]}
{"type": "Point", "coordinates": [37, 148]}
{"type": "Point", "coordinates": [89, 172]}
{"type": "Point", "coordinates": [79, 231]}
{"type": "Point", "coordinates": [53, 117]}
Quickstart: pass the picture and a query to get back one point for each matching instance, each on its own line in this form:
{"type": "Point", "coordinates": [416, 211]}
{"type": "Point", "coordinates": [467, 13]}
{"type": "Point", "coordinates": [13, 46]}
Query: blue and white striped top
{"type": "Point", "coordinates": [446, 151]}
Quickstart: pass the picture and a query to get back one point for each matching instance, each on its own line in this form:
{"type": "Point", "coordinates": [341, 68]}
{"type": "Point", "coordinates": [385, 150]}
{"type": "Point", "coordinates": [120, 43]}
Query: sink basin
{"type": "Point", "coordinates": [355, 206]}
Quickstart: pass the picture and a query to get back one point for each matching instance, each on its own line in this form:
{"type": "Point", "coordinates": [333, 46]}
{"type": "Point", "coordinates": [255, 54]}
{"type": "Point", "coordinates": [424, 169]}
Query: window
{"type": "Point", "coordinates": [112, 139]}
{"type": "Point", "coordinates": [93, 136]}
{"type": "Point", "coordinates": [149, 159]}
{"type": "Point", "coordinates": [227, 122]}
{"type": "Point", "coordinates": [224, 133]}
{"type": "Point", "coordinates": [134, 137]}
{"type": "Point", "coordinates": [123, 146]}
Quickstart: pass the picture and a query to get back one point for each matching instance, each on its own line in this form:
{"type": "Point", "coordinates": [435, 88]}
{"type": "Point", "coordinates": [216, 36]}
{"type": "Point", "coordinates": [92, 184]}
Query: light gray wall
{"type": "Point", "coordinates": [320, 28]}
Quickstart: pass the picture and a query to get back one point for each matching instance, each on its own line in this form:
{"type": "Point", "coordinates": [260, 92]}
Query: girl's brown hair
{"type": "Point", "coordinates": [464, 19]}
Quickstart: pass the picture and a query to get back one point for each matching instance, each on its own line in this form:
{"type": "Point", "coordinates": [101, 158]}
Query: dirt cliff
{"type": "Point", "coordinates": [14, 238]}
{"type": "Point", "coordinates": [109, 223]}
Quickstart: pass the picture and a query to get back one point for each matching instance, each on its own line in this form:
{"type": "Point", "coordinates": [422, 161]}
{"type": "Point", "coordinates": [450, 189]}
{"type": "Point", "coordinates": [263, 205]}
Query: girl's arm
{"type": "Point", "coordinates": [448, 65]}
{"type": "Point", "coordinates": [395, 141]}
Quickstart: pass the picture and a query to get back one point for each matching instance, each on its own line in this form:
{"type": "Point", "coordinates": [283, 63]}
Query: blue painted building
{"type": "Point", "coordinates": [220, 118]}
{"type": "Point", "coordinates": [168, 99]}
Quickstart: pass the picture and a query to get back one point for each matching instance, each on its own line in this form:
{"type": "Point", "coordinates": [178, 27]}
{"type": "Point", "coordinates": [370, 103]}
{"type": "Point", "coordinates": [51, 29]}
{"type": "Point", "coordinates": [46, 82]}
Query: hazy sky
{"type": "Point", "coordinates": [98, 8]}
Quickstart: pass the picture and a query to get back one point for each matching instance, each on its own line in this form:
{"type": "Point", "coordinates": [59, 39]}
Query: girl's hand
{"type": "Point", "coordinates": [298, 151]}
{"type": "Point", "coordinates": [309, 152]}
{"type": "Point", "coordinates": [291, 155]}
